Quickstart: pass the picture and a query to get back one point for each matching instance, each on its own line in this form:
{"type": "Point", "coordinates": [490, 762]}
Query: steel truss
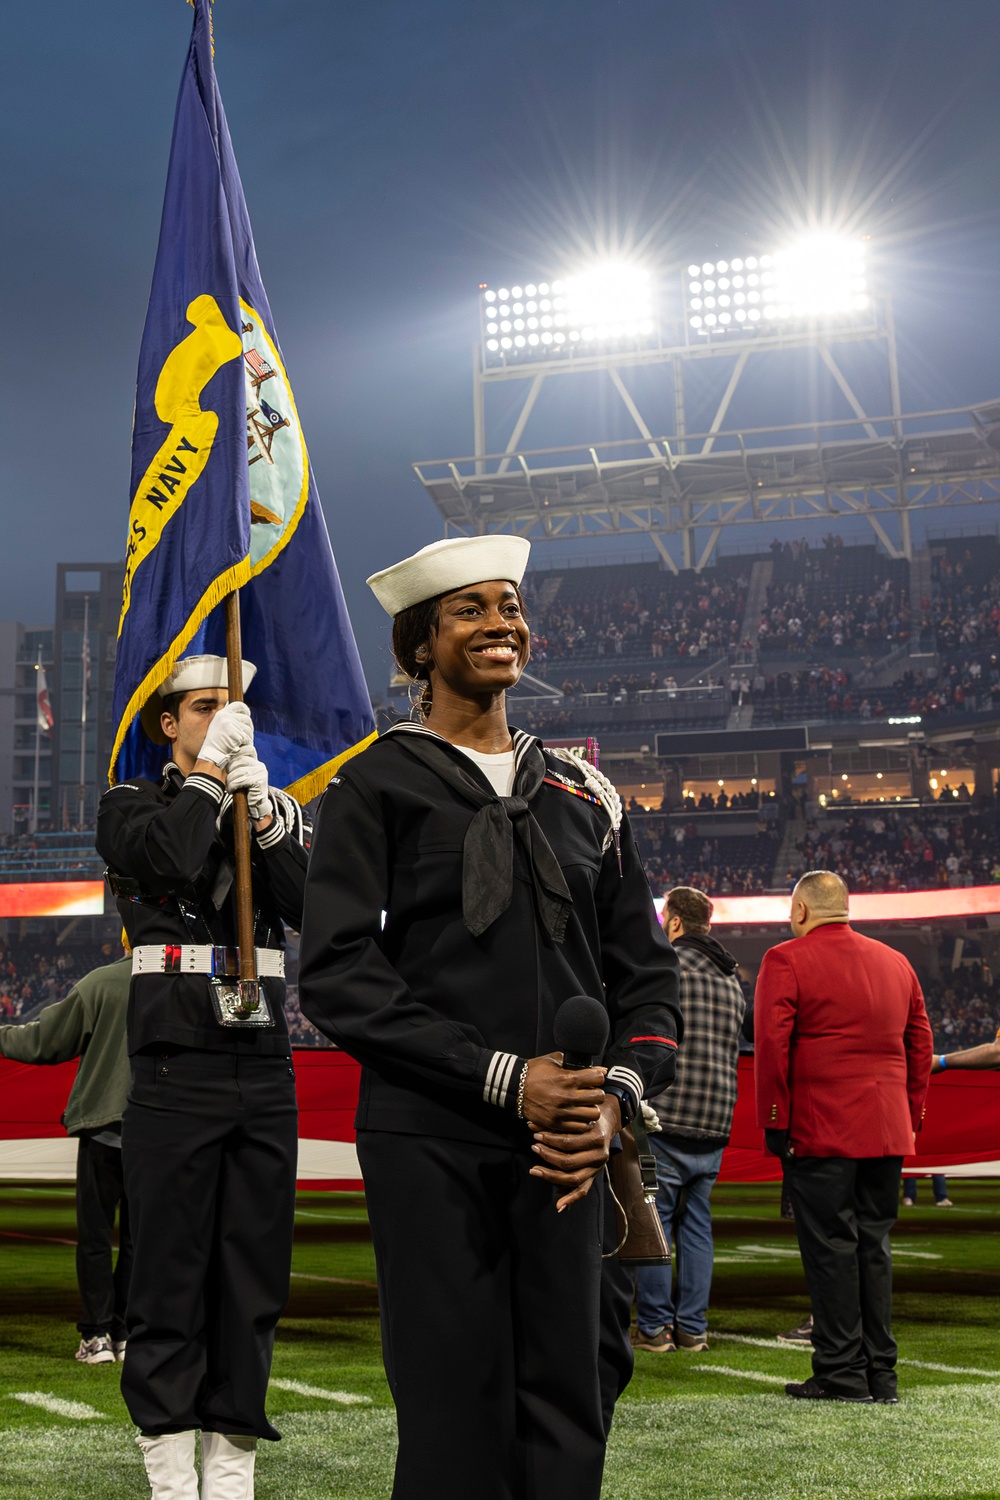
{"type": "Point", "coordinates": [693, 485]}
{"type": "Point", "coordinates": [884, 469]}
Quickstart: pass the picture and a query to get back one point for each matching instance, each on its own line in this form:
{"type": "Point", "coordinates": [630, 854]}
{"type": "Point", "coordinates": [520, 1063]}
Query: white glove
{"type": "Point", "coordinates": [229, 731]}
{"type": "Point", "coordinates": [246, 773]}
{"type": "Point", "coordinates": [650, 1119]}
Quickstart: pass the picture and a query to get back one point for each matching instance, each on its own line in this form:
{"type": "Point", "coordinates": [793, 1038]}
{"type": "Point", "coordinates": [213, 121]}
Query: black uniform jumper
{"type": "Point", "coordinates": [209, 1135]}
{"type": "Point", "coordinates": [490, 1299]}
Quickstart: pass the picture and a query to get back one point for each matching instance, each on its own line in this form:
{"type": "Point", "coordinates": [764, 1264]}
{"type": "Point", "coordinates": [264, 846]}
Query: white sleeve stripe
{"type": "Point", "coordinates": [628, 1080]}
{"type": "Point", "coordinates": [207, 784]}
{"type": "Point", "coordinates": [272, 835]}
{"type": "Point", "coordinates": [498, 1077]}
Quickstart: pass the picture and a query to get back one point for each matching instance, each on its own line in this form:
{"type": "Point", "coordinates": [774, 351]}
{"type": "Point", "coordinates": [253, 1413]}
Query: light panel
{"type": "Point", "coordinates": [891, 906]}
{"type": "Point", "coordinates": [819, 279]}
{"type": "Point", "coordinates": [605, 304]}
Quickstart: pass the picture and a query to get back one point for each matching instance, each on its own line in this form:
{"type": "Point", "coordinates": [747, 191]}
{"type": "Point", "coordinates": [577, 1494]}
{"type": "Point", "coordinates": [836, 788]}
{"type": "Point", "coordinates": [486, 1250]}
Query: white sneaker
{"type": "Point", "coordinates": [227, 1466]}
{"type": "Point", "coordinates": [96, 1351]}
{"type": "Point", "coordinates": [118, 1345]}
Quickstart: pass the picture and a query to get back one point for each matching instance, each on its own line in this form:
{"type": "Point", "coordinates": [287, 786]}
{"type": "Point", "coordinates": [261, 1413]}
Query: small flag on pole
{"type": "Point", "coordinates": [45, 718]}
{"type": "Point", "coordinates": [85, 661]}
{"type": "Point", "coordinates": [223, 494]}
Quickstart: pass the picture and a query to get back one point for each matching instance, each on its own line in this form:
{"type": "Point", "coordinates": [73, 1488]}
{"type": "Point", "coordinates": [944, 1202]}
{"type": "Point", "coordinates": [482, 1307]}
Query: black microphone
{"type": "Point", "coordinates": [580, 1031]}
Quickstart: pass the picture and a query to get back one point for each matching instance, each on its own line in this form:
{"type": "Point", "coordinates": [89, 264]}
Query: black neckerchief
{"type": "Point", "coordinates": [488, 851]}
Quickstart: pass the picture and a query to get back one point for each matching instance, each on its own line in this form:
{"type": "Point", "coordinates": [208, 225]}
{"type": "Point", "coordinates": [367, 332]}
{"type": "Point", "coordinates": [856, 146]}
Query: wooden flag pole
{"type": "Point", "coordinates": [241, 822]}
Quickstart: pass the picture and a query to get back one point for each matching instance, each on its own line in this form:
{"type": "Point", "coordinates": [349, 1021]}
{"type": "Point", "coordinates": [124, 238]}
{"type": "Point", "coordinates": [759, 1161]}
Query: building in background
{"type": "Point", "coordinates": [22, 649]}
{"type": "Point", "coordinates": [86, 594]}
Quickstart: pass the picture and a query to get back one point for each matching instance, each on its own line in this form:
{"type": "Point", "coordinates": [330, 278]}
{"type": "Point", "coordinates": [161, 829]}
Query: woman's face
{"type": "Point", "coordinates": [481, 644]}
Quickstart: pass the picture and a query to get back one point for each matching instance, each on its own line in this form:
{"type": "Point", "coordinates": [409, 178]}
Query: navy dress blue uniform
{"type": "Point", "coordinates": [490, 1300]}
{"type": "Point", "coordinates": [209, 1134]}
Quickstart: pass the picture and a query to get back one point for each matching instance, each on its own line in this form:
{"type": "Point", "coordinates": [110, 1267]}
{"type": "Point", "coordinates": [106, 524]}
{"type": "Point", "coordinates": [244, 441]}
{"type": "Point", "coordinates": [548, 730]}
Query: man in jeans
{"type": "Point", "coordinates": [695, 1117]}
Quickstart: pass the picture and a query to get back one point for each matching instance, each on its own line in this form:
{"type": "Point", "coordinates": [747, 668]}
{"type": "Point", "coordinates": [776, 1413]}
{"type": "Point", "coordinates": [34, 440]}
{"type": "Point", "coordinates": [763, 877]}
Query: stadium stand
{"type": "Point", "coordinates": [854, 601]}
{"type": "Point", "coordinates": [909, 850]}
{"type": "Point", "coordinates": [36, 971]}
{"type": "Point", "coordinates": [632, 612]}
{"type": "Point", "coordinates": [49, 856]}
{"type": "Point", "coordinates": [674, 852]}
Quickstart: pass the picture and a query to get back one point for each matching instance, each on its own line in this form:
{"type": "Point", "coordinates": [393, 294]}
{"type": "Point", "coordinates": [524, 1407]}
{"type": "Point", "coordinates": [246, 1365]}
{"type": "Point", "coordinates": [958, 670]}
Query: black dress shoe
{"type": "Point", "coordinates": [885, 1398]}
{"type": "Point", "coordinates": [811, 1390]}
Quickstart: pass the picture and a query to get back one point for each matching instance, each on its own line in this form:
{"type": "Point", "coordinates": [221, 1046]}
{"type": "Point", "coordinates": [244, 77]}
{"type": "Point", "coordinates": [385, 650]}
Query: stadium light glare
{"type": "Point", "coordinates": [818, 279]}
{"type": "Point", "coordinates": [606, 303]}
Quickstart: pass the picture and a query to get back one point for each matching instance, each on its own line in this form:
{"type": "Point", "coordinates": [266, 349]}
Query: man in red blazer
{"type": "Point", "coordinates": [843, 1058]}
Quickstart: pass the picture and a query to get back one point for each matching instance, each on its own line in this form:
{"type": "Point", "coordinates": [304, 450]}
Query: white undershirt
{"type": "Point", "coordinates": [498, 769]}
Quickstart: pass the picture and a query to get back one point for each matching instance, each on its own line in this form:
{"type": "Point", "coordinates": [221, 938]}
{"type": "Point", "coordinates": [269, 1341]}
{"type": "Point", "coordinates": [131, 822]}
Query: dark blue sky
{"type": "Point", "coordinates": [395, 153]}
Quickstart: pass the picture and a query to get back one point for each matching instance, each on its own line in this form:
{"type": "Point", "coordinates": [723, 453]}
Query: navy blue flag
{"type": "Point", "coordinates": [223, 495]}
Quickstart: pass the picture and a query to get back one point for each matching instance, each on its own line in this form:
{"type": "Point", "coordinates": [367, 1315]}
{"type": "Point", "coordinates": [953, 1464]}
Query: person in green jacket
{"type": "Point", "coordinates": [90, 1024]}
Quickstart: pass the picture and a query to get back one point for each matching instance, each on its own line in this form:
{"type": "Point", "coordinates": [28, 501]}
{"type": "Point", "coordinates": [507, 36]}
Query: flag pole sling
{"type": "Point", "coordinates": [241, 807]}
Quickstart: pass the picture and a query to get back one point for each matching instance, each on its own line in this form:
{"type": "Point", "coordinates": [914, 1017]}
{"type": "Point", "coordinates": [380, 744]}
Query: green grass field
{"type": "Point", "coordinates": [694, 1426]}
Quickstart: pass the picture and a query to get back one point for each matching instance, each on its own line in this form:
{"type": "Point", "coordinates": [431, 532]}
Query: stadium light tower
{"type": "Point", "coordinates": [816, 295]}
{"type": "Point", "coordinates": [820, 279]}
{"type": "Point", "coordinates": [608, 305]}
{"type": "Point", "coordinates": [813, 292]}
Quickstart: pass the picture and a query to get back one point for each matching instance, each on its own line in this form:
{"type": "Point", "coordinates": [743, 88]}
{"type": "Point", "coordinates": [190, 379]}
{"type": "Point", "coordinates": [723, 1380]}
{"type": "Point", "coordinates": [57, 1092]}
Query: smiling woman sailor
{"type": "Point", "coordinates": [497, 867]}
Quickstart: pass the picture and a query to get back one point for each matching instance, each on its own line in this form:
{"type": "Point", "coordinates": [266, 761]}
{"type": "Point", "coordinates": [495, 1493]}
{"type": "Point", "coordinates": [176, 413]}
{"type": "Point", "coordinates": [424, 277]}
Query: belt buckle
{"type": "Point", "coordinates": [172, 953]}
{"type": "Point", "coordinates": [231, 1003]}
{"type": "Point", "coordinates": [225, 961]}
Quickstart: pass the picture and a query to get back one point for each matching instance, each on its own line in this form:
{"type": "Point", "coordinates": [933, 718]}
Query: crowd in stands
{"type": "Point", "coordinates": [724, 801]}
{"type": "Point", "coordinates": [34, 971]}
{"type": "Point", "coordinates": [48, 856]}
{"type": "Point", "coordinates": [674, 853]}
{"type": "Point", "coordinates": [799, 619]}
{"type": "Point", "coordinates": [637, 612]}
{"type": "Point", "coordinates": [903, 851]}
{"type": "Point", "coordinates": [963, 1006]}
{"type": "Point", "coordinates": [965, 605]}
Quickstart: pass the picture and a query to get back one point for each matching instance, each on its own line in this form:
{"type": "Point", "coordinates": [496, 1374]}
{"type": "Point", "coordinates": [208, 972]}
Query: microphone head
{"type": "Point", "coordinates": [581, 1027]}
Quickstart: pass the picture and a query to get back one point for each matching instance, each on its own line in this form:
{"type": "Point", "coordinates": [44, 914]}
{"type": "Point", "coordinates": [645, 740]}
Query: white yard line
{"type": "Point", "coordinates": [745, 1338]}
{"type": "Point", "coordinates": [767, 1250]}
{"type": "Point", "coordinates": [794, 1254]}
{"type": "Point", "coordinates": [78, 1410]}
{"type": "Point", "coordinates": [343, 1398]}
{"type": "Point", "coordinates": [339, 1280]}
{"type": "Point", "coordinates": [914, 1364]}
{"type": "Point", "coordinates": [742, 1374]}
{"type": "Point", "coordinates": [923, 1364]}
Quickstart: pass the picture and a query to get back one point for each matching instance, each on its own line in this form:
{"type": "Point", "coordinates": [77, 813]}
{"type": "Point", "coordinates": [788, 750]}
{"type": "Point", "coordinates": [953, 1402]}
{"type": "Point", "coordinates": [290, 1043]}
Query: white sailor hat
{"type": "Point", "coordinates": [448, 565]}
{"type": "Point", "coordinates": [190, 673]}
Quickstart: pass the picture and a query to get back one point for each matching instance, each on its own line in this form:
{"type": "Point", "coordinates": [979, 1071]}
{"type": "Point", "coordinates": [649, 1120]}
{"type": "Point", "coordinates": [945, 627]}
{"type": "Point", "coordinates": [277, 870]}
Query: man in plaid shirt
{"type": "Point", "coordinates": [694, 1118]}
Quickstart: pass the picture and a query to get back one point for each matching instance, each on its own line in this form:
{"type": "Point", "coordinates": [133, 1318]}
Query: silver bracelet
{"type": "Point", "coordinates": [520, 1091]}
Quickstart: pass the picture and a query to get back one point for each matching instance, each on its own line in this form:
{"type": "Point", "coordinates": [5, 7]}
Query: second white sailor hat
{"type": "Point", "coordinates": [189, 674]}
{"type": "Point", "coordinates": [448, 565]}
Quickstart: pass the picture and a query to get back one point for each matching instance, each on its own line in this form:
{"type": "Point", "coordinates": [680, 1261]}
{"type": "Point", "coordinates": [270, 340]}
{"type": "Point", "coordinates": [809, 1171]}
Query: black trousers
{"type": "Point", "coordinates": [844, 1210]}
{"type": "Point", "coordinates": [490, 1307]}
{"type": "Point", "coordinates": [209, 1141]}
{"type": "Point", "coordinates": [103, 1281]}
{"type": "Point", "coordinates": [616, 1360]}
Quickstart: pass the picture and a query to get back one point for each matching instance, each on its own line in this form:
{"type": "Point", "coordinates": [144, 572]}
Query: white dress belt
{"type": "Point", "coordinates": [203, 958]}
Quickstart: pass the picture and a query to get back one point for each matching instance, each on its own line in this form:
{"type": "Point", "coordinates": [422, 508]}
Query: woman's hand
{"type": "Point", "coordinates": [557, 1098]}
{"type": "Point", "coordinates": [573, 1157]}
